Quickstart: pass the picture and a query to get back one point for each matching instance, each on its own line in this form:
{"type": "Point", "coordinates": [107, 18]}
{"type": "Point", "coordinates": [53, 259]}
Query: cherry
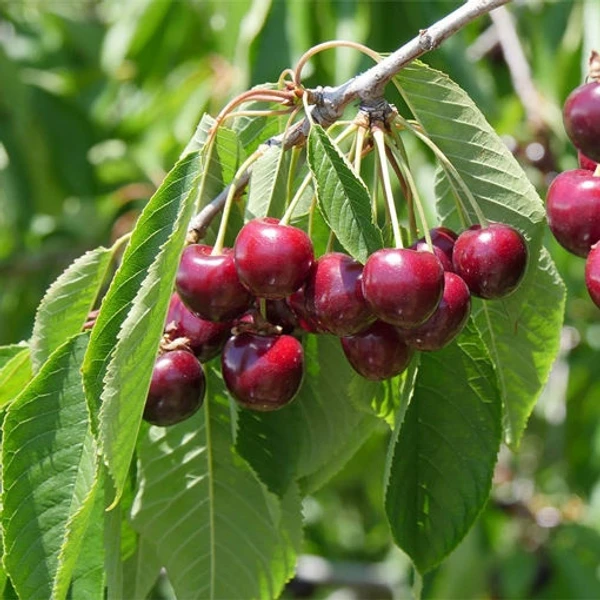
{"type": "Point", "coordinates": [262, 372]}
{"type": "Point", "coordinates": [491, 260]}
{"type": "Point", "coordinates": [205, 338]}
{"type": "Point", "coordinates": [573, 210]}
{"type": "Point", "coordinates": [442, 240]}
{"type": "Point", "coordinates": [304, 314]}
{"type": "Point", "coordinates": [378, 352]}
{"type": "Point", "coordinates": [403, 286]}
{"type": "Point", "coordinates": [592, 274]}
{"type": "Point", "coordinates": [279, 313]}
{"type": "Point", "coordinates": [272, 260]}
{"type": "Point", "coordinates": [581, 116]}
{"type": "Point", "coordinates": [448, 319]}
{"type": "Point", "coordinates": [334, 294]}
{"type": "Point", "coordinates": [586, 163]}
{"type": "Point", "coordinates": [209, 285]}
{"type": "Point", "coordinates": [176, 388]}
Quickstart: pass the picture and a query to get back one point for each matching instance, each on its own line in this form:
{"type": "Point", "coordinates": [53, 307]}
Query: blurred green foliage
{"type": "Point", "coordinates": [97, 100]}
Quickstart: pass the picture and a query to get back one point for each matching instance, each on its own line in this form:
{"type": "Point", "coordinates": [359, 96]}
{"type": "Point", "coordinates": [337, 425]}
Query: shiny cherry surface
{"type": "Point", "coordinates": [581, 116]}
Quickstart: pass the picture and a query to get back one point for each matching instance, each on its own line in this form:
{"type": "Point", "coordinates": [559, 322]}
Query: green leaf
{"type": "Point", "coordinates": [314, 436]}
{"type": "Point", "coordinates": [253, 130]}
{"type": "Point", "coordinates": [7, 353]}
{"type": "Point", "coordinates": [443, 459]}
{"type": "Point", "coordinates": [342, 196]}
{"type": "Point", "coordinates": [141, 570]}
{"type": "Point", "coordinates": [267, 186]}
{"type": "Point", "coordinates": [452, 120]}
{"type": "Point", "coordinates": [48, 480]}
{"type": "Point", "coordinates": [67, 303]}
{"type": "Point", "coordinates": [15, 373]}
{"type": "Point", "coordinates": [124, 342]}
{"type": "Point", "coordinates": [522, 333]}
{"type": "Point", "coordinates": [216, 529]}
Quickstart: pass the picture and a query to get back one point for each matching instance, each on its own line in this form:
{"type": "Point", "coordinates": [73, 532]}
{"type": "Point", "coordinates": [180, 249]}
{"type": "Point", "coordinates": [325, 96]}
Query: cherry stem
{"type": "Point", "coordinates": [597, 170]}
{"type": "Point", "coordinates": [239, 175]}
{"type": "Point", "coordinates": [294, 201]}
{"type": "Point", "coordinates": [330, 242]}
{"type": "Point", "coordinates": [449, 169]}
{"type": "Point", "coordinates": [328, 46]}
{"type": "Point", "coordinates": [379, 139]}
{"type": "Point", "coordinates": [360, 142]}
{"type": "Point", "coordinates": [262, 307]}
{"type": "Point", "coordinates": [256, 113]}
{"type": "Point", "coordinates": [295, 156]}
{"type": "Point", "coordinates": [406, 191]}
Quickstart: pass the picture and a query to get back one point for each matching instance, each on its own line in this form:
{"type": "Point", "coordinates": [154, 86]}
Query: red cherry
{"type": "Point", "coordinates": [442, 240]}
{"type": "Point", "coordinates": [262, 372]}
{"type": "Point", "coordinates": [378, 352]}
{"type": "Point", "coordinates": [491, 260]}
{"type": "Point", "coordinates": [573, 210]}
{"type": "Point", "coordinates": [403, 286]}
{"type": "Point", "coordinates": [592, 274]}
{"type": "Point", "coordinates": [448, 319]}
{"type": "Point", "coordinates": [176, 388]}
{"type": "Point", "coordinates": [586, 163]}
{"type": "Point", "coordinates": [581, 116]}
{"type": "Point", "coordinates": [206, 338]}
{"type": "Point", "coordinates": [307, 320]}
{"type": "Point", "coordinates": [272, 260]}
{"type": "Point", "coordinates": [334, 294]}
{"type": "Point", "coordinates": [209, 285]}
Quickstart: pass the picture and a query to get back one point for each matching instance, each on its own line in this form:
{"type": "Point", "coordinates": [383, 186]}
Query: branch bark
{"type": "Point", "coordinates": [330, 102]}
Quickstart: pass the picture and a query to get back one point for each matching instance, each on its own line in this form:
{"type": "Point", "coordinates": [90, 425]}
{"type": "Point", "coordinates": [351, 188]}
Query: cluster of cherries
{"type": "Point", "coordinates": [573, 199]}
{"type": "Point", "coordinates": [251, 303]}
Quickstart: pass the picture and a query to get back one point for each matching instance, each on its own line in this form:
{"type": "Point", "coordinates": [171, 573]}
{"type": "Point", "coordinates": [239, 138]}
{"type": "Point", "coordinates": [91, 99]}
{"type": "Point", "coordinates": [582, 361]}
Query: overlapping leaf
{"type": "Point", "coordinates": [218, 531]}
{"type": "Point", "coordinates": [343, 198]}
{"type": "Point", "coordinates": [314, 436]}
{"type": "Point", "coordinates": [48, 480]}
{"type": "Point", "coordinates": [125, 338]}
{"type": "Point", "coordinates": [522, 332]}
{"type": "Point", "coordinates": [15, 371]}
{"type": "Point", "coordinates": [67, 302]}
{"type": "Point", "coordinates": [267, 188]}
{"type": "Point", "coordinates": [443, 458]}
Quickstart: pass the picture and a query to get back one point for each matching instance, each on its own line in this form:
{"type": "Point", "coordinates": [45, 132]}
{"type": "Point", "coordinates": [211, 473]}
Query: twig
{"type": "Point", "coordinates": [330, 102]}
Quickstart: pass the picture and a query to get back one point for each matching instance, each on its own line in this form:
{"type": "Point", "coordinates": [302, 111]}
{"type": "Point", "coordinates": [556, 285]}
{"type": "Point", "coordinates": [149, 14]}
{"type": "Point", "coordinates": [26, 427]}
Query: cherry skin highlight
{"type": "Point", "coordinates": [581, 116]}
{"type": "Point", "coordinates": [205, 338]}
{"type": "Point", "coordinates": [334, 294]}
{"type": "Point", "coordinates": [573, 210]}
{"type": "Point", "coordinates": [378, 352]}
{"type": "Point", "coordinates": [262, 372]}
{"type": "Point", "coordinates": [448, 319]}
{"type": "Point", "coordinates": [176, 389]}
{"type": "Point", "coordinates": [272, 260]}
{"type": "Point", "coordinates": [491, 260]}
{"type": "Point", "coordinates": [209, 285]}
{"type": "Point", "coordinates": [442, 240]}
{"type": "Point", "coordinates": [402, 286]}
{"type": "Point", "coordinates": [592, 274]}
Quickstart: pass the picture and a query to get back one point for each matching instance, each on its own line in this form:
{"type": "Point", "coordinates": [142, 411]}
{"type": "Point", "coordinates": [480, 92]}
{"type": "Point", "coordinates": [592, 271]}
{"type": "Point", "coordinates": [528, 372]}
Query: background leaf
{"type": "Point", "coordinates": [315, 435]}
{"type": "Point", "coordinates": [206, 513]}
{"type": "Point", "coordinates": [65, 306]}
{"type": "Point", "coordinates": [125, 338]}
{"type": "Point", "coordinates": [48, 479]}
{"type": "Point", "coordinates": [15, 373]}
{"type": "Point", "coordinates": [267, 193]}
{"type": "Point", "coordinates": [342, 196]}
{"type": "Point", "coordinates": [443, 459]}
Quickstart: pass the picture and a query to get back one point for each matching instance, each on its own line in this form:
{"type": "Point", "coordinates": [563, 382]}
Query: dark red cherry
{"type": "Point", "coordinates": [378, 352]}
{"type": "Point", "coordinates": [272, 260]}
{"type": "Point", "coordinates": [402, 286]}
{"type": "Point", "coordinates": [205, 338]}
{"type": "Point", "coordinates": [592, 274]}
{"type": "Point", "coordinates": [581, 116]}
{"type": "Point", "coordinates": [334, 294]}
{"type": "Point", "coordinates": [442, 240]}
{"type": "Point", "coordinates": [262, 372]}
{"type": "Point", "coordinates": [491, 260]}
{"type": "Point", "coordinates": [209, 285]}
{"type": "Point", "coordinates": [448, 319]}
{"type": "Point", "coordinates": [573, 210]}
{"type": "Point", "coordinates": [176, 388]}
{"type": "Point", "coordinates": [304, 314]}
{"type": "Point", "coordinates": [586, 163]}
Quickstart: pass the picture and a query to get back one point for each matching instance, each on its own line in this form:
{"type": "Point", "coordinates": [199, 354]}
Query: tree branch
{"type": "Point", "coordinates": [330, 102]}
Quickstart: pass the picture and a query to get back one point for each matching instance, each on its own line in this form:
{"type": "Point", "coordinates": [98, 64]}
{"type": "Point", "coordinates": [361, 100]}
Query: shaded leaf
{"type": "Point", "coordinates": [48, 478]}
{"type": "Point", "coordinates": [443, 457]}
{"type": "Point", "coordinates": [343, 198]}
{"type": "Point", "coordinates": [67, 302]}
{"type": "Point", "coordinates": [15, 374]}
